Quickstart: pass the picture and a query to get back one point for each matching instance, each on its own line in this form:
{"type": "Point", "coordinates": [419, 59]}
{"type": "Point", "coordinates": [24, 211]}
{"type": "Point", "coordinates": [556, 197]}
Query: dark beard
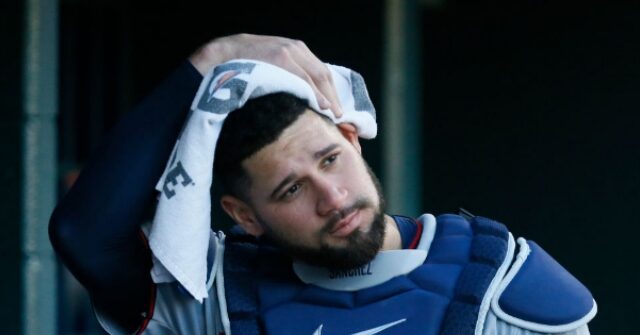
{"type": "Point", "coordinates": [360, 248]}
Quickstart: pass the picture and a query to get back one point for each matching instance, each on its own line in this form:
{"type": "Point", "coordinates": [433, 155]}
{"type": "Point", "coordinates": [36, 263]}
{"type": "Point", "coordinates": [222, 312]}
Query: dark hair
{"type": "Point", "coordinates": [247, 130]}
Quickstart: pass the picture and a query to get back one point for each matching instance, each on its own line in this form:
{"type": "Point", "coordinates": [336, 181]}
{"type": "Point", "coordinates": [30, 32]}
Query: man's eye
{"type": "Point", "coordinates": [291, 191]}
{"type": "Point", "coordinates": [330, 160]}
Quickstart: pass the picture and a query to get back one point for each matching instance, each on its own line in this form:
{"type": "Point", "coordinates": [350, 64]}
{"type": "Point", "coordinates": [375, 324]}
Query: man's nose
{"type": "Point", "coordinates": [331, 196]}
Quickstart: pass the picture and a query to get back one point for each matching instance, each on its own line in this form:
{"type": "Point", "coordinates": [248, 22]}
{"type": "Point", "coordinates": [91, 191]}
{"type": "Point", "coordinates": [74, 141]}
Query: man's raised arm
{"type": "Point", "coordinates": [95, 228]}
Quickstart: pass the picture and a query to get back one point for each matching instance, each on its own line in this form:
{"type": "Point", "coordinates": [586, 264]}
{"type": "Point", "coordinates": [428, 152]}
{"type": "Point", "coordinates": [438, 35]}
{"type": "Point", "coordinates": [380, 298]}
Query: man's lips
{"type": "Point", "coordinates": [347, 225]}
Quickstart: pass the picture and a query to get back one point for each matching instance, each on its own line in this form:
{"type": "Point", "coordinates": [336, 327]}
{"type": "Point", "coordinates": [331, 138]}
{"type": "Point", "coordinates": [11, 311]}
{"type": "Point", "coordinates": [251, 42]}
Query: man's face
{"type": "Point", "coordinates": [313, 194]}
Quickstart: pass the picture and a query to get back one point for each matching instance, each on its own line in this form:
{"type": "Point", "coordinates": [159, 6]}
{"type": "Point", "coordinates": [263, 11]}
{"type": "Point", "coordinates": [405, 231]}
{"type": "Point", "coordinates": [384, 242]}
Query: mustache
{"type": "Point", "coordinates": [340, 214]}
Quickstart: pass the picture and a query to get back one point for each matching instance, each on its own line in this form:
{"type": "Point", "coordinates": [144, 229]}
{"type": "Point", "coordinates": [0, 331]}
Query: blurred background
{"type": "Point", "coordinates": [524, 112]}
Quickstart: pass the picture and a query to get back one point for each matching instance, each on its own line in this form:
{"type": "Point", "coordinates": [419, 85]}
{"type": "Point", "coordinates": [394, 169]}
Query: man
{"type": "Point", "coordinates": [299, 188]}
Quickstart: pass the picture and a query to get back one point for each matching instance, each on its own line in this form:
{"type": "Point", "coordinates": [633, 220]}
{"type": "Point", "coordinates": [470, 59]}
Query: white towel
{"type": "Point", "coordinates": [180, 231]}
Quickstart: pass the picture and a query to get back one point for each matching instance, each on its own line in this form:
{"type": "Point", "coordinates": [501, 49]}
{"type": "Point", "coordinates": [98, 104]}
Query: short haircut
{"type": "Point", "coordinates": [245, 131]}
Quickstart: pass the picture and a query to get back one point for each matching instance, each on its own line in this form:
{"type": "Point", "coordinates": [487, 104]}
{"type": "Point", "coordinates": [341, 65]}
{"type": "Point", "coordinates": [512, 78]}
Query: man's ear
{"type": "Point", "coordinates": [350, 132]}
{"type": "Point", "coordinates": [242, 214]}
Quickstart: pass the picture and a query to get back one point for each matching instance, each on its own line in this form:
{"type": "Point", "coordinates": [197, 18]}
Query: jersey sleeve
{"type": "Point", "coordinates": [174, 311]}
{"type": "Point", "coordinates": [95, 229]}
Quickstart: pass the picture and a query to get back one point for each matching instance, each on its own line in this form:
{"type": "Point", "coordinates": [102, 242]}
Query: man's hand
{"type": "Point", "coordinates": [291, 55]}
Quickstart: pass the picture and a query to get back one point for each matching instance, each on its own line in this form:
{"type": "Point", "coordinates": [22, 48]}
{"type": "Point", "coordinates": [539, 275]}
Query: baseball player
{"type": "Point", "coordinates": [314, 251]}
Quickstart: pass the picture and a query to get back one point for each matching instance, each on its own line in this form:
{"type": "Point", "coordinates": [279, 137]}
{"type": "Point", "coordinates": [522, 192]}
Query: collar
{"type": "Point", "coordinates": [386, 265]}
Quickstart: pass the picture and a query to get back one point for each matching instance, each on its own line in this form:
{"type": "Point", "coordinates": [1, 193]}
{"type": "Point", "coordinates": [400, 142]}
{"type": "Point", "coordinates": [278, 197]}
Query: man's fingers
{"type": "Point", "coordinates": [319, 74]}
{"type": "Point", "coordinates": [322, 99]}
{"type": "Point", "coordinates": [327, 88]}
{"type": "Point", "coordinates": [291, 55]}
{"type": "Point", "coordinates": [287, 62]}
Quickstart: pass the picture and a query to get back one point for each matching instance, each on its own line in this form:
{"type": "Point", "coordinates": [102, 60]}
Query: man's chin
{"type": "Point", "coordinates": [354, 250]}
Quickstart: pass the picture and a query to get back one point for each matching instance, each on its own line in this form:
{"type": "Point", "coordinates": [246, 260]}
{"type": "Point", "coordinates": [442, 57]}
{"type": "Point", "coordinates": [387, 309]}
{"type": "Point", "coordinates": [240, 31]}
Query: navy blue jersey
{"type": "Point", "coordinates": [95, 229]}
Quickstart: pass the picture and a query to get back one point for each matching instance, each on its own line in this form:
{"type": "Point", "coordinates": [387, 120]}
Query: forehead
{"type": "Point", "coordinates": [296, 145]}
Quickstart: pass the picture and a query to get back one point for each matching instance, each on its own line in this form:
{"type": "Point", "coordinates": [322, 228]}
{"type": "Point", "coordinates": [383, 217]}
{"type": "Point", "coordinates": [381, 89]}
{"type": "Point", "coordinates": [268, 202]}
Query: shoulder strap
{"type": "Point", "coordinates": [240, 258]}
{"type": "Point", "coordinates": [488, 257]}
{"type": "Point", "coordinates": [246, 260]}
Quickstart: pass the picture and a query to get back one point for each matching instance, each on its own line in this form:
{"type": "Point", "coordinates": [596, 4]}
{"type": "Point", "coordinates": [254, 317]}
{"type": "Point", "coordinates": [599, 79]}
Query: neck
{"type": "Point", "coordinates": [392, 238]}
